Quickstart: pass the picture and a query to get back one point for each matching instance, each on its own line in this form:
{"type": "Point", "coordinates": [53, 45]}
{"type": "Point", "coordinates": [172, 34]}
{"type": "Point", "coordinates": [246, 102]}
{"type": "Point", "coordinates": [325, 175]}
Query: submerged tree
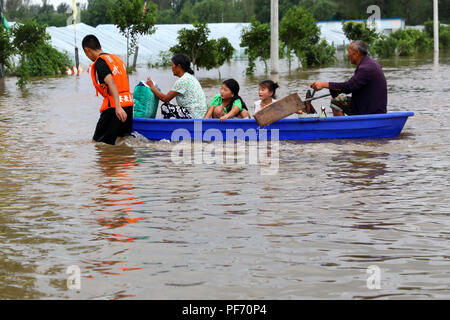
{"type": "Point", "coordinates": [360, 31]}
{"type": "Point", "coordinates": [223, 52]}
{"type": "Point", "coordinates": [204, 53]}
{"type": "Point", "coordinates": [94, 13]}
{"type": "Point", "coordinates": [298, 31]}
{"type": "Point", "coordinates": [36, 56]}
{"type": "Point", "coordinates": [6, 49]}
{"type": "Point", "coordinates": [256, 41]}
{"type": "Point", "coordinates": [133, 18]}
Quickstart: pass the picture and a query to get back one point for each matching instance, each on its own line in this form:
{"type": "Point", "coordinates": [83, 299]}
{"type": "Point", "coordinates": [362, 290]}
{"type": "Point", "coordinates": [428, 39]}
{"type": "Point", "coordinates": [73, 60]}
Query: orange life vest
{"type": "Point", "coordinates": [120, 77]}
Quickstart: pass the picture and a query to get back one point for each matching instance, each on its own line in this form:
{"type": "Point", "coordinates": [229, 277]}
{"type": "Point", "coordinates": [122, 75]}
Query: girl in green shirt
{"type": "Point", "coordinates": [228, 104]}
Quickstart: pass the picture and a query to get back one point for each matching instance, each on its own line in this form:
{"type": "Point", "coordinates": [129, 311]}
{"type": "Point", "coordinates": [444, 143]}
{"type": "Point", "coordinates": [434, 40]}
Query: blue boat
{"type": "Point", "coordinates": [309, 128]}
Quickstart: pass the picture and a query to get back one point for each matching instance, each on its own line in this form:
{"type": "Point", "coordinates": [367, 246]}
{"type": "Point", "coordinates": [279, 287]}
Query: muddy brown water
{"type": "Point", "coordinates": [138, 226]}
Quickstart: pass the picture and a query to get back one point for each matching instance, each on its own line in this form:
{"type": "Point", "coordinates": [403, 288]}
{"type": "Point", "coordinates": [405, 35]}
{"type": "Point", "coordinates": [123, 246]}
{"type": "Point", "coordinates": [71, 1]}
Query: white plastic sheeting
{"type": "Point", "coordinates": [165, 36]}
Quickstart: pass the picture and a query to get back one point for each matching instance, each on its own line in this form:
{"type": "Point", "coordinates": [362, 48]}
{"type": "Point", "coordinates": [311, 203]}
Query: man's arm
{"type": "Point", "coordinates": [319, 85]}
{"type": "Point", "coordinates": [121, 114]}
{"type": "Point", "coordinates": [359, 80]}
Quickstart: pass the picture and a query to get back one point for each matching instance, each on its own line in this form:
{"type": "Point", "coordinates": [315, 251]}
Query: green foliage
{"type": "Point", "coordinates": [444, 34]}
{"type": "Point", "coordinates": [47, 61]}
{"type": "Point", "coordinates": [256, 41]}
{"type": "Point", "coordinates": [186, 15]}
{"type": "Point", "coordinates": [410, 41]}
{"type": "Point", "coordinates": [132, 20]}
{"type": "Point", "coordinates": [195, 43]}
{"type": "Point", "coordinates": [299, 32]}
{"type": "Point", "coordinates": [36, 56]}
{"type": "Point", "coordinates": [165, 16]}
{"type": "Point", "coordinates": [29, 36]}
{"type": "Point", "coordinates": [204, 53]}
{"type": "Point", "coordinates": [321, 10]}
{"type": "Point", "coordinates": [360, 31]}
{"type": "Point", "coordinates": [164, 60]}
{"type": "Point", "coordinates": [403, 43]}
{"type": "Point", "coordinates": [187, 11]}
{"type": "Point", "coordinates": [94, 14]}
{"type": "Point", "coordinates": [444, 38]}
{"type": "Point", "coordinates": [209, 10]}
{"type": "Point", "coordinates": [223, 52]}
{"type": "Point", "coordinates": [23, 10]}
{"type": "Point", "coordinates": [385, 47]}
{"type": "Point", "coordinates": [317, 54]}
{"type": "Point", "coordinates": [6, 47]}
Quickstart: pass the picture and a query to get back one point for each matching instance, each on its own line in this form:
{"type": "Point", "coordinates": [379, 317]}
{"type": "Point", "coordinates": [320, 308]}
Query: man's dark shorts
{"type": "Point", "coordinates": [109, 127]}
{"type": "Point", "coordinates": [342, 103]}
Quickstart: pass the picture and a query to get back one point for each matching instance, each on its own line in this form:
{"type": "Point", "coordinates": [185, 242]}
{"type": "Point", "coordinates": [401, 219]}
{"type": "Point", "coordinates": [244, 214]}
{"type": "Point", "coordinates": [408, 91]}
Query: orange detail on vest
{"type": "Point", "coordinates": [120, 77]}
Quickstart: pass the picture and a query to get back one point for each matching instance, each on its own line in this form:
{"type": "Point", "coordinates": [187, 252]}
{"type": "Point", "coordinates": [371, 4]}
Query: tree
{"type": "Point", "coordinates": [298, 29]}
{"type": "Point", "coordinates": [317, 54]}
{"type": "Point", "coordinates": [36, 56]}
{"type": "Point", "coordinates": [94, 14]}
{"type": "Point", "coordinates": [6, 49]}
{"type": "Point", "coordinates": [223, 52]}
{"type": "Point", "coordinates": [62, 8]}
{"type": "Point", "coordinates": [186, 14]}
{"type": "Point", "coordinates": [204, 53]}
{"type": "Point", "coordinates": [133, 18]}
{"type": "Point", "coordinates": [256, 41]}
{"type": "Point", "coordinates": [209, 10]}
{"type": "Point", "coordinates": [262, 13]}
{"type": "Point", "coordinates": [360, 31]}
{"type": "Point", "coordinates": [195, 43]}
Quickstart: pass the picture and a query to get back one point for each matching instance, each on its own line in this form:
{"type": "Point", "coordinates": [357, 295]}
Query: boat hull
{"type": "Point", "coordinates": [349, 127]}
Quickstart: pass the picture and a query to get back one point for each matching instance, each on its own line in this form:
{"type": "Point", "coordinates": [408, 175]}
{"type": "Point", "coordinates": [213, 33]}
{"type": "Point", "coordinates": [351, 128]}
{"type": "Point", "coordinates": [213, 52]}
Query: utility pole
{"type": "Point", "coordinates": [436, 26]}
{"type": "Point", "coordinates": [75, 16]}
{"type": "Point", "coordinates": [274, 37]}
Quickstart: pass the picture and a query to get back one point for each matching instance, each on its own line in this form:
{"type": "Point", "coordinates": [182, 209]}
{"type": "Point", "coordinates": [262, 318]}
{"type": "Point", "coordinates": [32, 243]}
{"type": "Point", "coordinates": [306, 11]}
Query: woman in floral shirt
{"type": "Point", "coordinates": [187, 90]}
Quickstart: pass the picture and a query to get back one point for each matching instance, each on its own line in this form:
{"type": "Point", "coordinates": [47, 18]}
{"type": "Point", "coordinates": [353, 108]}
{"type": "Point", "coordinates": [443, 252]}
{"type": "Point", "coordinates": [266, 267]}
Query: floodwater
{"type": "Point", "coordinates": [136, 225]}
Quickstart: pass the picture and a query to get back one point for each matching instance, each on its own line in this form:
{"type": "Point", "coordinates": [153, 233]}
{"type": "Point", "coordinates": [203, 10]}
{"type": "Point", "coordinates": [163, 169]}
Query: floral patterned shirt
{"type": "Point", "coordinates": [191, 95]}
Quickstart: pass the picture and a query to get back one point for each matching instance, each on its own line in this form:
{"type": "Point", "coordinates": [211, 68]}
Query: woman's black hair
{"type": "Point", "coordinates": [233, 85]}
{"type": "Point", "coordinates": [269, 84]}
{"type": "Point", "coordinates": [184, 61]}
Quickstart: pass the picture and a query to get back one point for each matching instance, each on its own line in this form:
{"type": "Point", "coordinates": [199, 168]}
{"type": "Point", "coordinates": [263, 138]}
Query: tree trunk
{"type": "Point", "coordinates": [128, 48]}
{"type": "Point", "coordinates": [136, 51]}
{"type": "Point", "coordinates": [289, 56]}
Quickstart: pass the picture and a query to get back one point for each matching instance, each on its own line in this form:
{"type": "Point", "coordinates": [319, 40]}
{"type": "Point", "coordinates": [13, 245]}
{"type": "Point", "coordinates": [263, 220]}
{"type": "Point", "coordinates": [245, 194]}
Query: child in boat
{"type": "Point", "coordinates": [228, 104]}
{"type": "Point", "coordinates": [267, 91]}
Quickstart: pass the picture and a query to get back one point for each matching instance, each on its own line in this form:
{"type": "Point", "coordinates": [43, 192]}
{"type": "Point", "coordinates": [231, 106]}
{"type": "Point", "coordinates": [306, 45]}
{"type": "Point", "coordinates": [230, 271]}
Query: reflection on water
{"type": "Point", "coordinates": [140, 226]}
{"type": "Point", "coordinates": [360, 168]}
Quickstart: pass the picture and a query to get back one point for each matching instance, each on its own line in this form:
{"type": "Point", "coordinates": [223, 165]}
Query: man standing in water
{"type": "Point", "coordinates": [368, 86]}
{"type": "Point", "coordinates": [110, 79]}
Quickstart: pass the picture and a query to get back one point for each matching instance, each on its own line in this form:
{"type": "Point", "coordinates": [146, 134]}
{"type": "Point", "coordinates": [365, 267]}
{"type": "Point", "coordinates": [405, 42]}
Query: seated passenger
{"type": "Point", "coordinates": [267, 91]}
{"type": "Point", "coordinates": [187, 90]}
{"type": "Point", "coordinates": [228, 104]}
